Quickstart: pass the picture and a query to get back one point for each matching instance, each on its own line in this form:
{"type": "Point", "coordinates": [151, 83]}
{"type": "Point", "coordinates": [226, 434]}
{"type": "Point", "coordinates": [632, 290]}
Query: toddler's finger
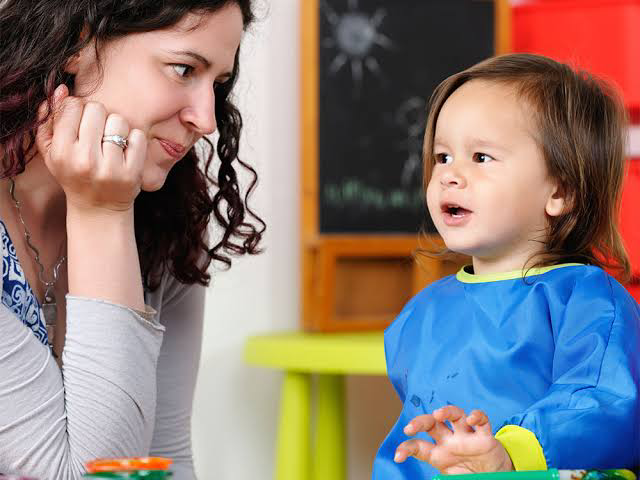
{"type": "Point", "coordinates": [455, 415]}
{"type": "Point", "coordinates": [428, 424]}
{"type": "Point", "coordinates": [480, 421]}
{"type": "Point", "coordinates": [421, 423]}
{"type": "Point", "coordinates": [415, 447]}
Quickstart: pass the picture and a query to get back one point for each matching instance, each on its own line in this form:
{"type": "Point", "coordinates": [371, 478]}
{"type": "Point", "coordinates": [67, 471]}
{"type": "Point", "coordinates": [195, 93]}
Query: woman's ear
{"type": "Point", "coordinates": [559, 202]}
{"type": "Point", "coordinates": [73, 64]}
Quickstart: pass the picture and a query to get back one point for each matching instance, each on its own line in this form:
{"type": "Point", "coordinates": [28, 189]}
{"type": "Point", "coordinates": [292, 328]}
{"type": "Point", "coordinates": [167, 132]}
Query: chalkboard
{"type": "Point", "coordinates": [379, 61]}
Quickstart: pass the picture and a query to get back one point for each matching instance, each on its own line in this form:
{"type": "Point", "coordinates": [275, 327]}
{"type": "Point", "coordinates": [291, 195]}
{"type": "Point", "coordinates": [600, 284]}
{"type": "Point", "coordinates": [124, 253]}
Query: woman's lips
{"type": "Point", "coordinates": [175, 150]}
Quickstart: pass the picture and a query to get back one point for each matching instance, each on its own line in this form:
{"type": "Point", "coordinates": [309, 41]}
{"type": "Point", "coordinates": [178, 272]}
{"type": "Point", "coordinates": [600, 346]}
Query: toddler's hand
{"type": "Point", "coordinates": [469, 448]}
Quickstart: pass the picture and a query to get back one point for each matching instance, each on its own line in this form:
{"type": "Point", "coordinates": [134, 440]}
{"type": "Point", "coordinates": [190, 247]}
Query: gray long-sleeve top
{"type": "Point", "coordinates": [125, 389]}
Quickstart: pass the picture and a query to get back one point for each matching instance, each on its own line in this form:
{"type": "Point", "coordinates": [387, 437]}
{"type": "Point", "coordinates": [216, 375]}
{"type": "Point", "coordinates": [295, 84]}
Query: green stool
{"type": "Point", "coordinates": [330, 356]}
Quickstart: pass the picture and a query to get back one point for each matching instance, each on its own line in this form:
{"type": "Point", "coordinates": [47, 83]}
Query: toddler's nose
{"type": "Point", "coordinates": [452, 177]}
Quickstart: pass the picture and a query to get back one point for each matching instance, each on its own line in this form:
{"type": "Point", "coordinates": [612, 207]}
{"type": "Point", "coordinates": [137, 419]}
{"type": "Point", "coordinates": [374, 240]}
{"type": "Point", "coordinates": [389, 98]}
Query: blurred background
{"type": "Point", "coordinates": [314, 110]}
{"type": "Point", "coordinates": [236, 406]}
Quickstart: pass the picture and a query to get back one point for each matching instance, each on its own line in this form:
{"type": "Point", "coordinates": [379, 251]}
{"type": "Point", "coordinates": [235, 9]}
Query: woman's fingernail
{"type": "Point", "coordinates": [396, 458]}
{"type": "Point", "coordinates": [58, 91]}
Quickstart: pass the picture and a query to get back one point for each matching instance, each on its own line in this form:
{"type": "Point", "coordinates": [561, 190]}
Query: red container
{"type": "Point", "coordinates": [634, 290]}
{"type": "Point", "coordinates": [630, 215]}
{"type": "Point", "coordinates": [601, 36]}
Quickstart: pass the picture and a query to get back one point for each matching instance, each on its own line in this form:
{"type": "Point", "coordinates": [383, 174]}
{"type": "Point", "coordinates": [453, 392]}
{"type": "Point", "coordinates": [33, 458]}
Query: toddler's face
{"type": "Point", "coordinates": [489, 192]}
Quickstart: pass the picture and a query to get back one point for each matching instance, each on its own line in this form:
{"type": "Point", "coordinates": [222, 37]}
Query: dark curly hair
{"type": "Point", "coordinates": [37, 38]}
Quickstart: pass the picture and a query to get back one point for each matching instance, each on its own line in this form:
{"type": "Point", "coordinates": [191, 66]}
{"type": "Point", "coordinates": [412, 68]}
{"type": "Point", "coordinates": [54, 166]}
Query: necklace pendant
{"type": "Point", "coordinates": [49, 306]}
{"type": "Point", "coordinates": [50, 312]}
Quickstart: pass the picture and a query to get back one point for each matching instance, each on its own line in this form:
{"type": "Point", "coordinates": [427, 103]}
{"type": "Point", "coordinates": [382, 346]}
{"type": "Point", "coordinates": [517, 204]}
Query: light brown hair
{"type": "Point", "coordinates": [581, 131]}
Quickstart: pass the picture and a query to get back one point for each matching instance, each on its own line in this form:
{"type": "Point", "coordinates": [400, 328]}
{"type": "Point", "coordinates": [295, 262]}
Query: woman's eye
{"type": "Point", "coordinates": [482, 157]}
{"type": "Point", "coordinates": [222, 81]}
{"type": "Point", "coordinates": [444, 158]}
{"type": "Point", "coordinates": [182, 69]}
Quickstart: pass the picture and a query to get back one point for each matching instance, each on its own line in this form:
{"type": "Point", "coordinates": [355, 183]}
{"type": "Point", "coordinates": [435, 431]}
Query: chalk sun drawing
{"type": "Point", "coordinates": [354, 34]}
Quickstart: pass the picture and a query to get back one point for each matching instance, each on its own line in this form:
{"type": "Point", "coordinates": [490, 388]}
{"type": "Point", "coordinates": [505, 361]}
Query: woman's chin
{"type": "Point", "coordinates": [153, 182]}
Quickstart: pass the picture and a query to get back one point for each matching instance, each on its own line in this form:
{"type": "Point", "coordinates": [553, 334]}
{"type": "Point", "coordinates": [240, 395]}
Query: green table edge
{"type": "Point", "coordinates": [331, 353]}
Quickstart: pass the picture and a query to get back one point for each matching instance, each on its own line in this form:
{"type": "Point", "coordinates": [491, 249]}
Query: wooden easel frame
{"type": "Point", "coordinates": [320, 253]}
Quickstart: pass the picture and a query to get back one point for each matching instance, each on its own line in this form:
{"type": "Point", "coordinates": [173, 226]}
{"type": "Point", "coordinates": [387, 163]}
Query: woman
{"type": "Point", "coordinates": [101, 105]}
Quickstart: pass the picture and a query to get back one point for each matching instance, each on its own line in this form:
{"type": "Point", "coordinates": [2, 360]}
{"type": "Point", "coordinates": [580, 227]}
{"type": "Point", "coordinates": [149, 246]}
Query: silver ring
{"type": "Point", "coordinates": [118, 140]}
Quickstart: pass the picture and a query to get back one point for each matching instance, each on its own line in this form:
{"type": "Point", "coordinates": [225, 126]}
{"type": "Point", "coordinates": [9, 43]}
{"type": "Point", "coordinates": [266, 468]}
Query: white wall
{"type": "Point", "coordinates": [236, 406]}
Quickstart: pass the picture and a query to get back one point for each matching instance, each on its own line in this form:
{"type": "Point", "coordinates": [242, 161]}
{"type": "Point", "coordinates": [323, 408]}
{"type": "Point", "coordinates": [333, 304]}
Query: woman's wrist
{"type": "Point", "coordinates": [103, 257]}
{"type": "Point", "coordinates": [90, 214]}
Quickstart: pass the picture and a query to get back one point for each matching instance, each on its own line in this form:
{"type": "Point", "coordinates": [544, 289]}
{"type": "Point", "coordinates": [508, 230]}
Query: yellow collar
{"type": "Point", "coordinates": [467, 277]}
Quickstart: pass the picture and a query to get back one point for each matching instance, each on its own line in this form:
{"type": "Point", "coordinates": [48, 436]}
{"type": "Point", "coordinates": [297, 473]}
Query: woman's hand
{"type": "Point", "coordinates": [469, 447]}
{"type": "Point", "coordinates": [101, 182]}
{"type": "Point", "coordinates": [93, 174]}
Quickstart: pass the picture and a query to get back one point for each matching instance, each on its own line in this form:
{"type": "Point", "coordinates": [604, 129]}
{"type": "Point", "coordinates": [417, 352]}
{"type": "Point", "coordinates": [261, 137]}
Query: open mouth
{"type": "Point", "coordinates": [455, 211]}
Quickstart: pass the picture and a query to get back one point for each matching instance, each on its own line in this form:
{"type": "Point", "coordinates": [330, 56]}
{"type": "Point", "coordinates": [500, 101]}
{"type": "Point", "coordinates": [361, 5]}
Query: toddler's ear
{"type": "Point", "coordinates": [559, 202]}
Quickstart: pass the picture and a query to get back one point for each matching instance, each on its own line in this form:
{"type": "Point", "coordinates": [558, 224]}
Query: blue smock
{"type": "Point", "coordinates": [556, 352]}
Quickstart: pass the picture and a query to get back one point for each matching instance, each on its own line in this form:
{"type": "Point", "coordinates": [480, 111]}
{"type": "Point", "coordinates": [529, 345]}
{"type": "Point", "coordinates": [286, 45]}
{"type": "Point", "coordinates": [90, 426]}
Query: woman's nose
{"type": "Point", "coordinates": [200, 114]}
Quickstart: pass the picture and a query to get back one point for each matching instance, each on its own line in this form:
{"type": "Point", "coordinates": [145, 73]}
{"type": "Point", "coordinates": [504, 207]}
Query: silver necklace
{"type": "Point", "coordinates": [49, 305]}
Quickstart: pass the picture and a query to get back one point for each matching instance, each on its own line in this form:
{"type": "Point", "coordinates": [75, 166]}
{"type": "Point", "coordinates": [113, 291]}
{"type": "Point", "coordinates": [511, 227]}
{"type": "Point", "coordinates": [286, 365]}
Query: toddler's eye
{"type": "Point", "coordinates": [482, 157]}
{"type": "Point", "coordinates": [443, 158]}
{"type": "Point", "coordinates": [182, 69]}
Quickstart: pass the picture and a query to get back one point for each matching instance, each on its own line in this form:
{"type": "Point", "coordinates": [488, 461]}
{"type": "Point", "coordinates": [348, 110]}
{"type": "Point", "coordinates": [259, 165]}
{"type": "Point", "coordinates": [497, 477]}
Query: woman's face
{"type": "Point", "coordinates": [163, 82]}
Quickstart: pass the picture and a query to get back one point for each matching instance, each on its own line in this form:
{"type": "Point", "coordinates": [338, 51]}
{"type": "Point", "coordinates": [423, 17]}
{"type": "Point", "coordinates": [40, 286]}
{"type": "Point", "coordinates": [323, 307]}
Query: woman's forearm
{"type": "Point", "coordinates": [104, 404]}
{"type": "Point", "coordinates": [103, 258]}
